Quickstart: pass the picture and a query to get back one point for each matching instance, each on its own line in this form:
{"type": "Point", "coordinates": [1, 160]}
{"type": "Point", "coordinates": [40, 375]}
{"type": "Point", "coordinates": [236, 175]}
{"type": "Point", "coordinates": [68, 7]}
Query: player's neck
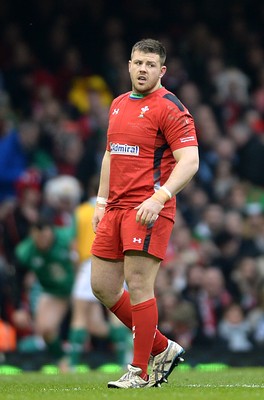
{"type": "Point", "coordinates": [135, 95]}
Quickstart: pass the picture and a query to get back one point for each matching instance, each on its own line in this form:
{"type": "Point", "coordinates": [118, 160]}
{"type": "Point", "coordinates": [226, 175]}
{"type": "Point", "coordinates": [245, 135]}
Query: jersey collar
{"type": "Point", "coordinates": [139, 95]}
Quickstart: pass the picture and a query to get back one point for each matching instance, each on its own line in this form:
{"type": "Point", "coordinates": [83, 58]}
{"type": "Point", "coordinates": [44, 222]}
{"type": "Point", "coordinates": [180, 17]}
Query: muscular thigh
{"type": "Point", "coordinates": [107, 279]}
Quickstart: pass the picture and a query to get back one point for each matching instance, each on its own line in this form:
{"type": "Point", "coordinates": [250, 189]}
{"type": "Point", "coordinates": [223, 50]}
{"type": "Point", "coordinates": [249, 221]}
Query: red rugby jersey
{"type": "Point", "coordinates": [142, 134]}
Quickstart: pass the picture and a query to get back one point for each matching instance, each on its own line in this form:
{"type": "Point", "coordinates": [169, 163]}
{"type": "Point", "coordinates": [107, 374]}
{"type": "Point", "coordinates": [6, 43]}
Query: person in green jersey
{"type": "Point", "coordinates": [47, 252]}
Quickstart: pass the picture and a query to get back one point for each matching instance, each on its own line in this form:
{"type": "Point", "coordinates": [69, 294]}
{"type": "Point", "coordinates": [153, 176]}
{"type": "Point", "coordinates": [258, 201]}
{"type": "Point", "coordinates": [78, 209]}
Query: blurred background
{"type": "Point", "coordinates": [61, 64]}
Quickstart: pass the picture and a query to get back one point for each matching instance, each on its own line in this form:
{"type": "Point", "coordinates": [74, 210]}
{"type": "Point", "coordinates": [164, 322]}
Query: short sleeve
{"type": "Point", "coordinates": [177, 125]}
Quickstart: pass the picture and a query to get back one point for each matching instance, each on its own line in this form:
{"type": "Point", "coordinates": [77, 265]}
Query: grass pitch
{"type": "Point", "coordinates": [231, 383]}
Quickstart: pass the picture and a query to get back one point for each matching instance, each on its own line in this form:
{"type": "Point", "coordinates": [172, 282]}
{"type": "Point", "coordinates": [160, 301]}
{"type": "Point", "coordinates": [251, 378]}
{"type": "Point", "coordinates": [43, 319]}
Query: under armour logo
{"type": "Point", "coordinates": [116, 111]}
{"type": "Point", "coordinates": [137, 240]}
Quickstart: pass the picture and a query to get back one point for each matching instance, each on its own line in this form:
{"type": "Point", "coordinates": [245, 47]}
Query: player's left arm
{"type": "Point", "coordinates": [187, 164]}
{"type": "Point", "coordinates": [177, 125]}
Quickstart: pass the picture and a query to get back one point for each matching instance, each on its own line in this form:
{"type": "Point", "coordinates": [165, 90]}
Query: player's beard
{"type": "Point", "coordinates": [143, 89]}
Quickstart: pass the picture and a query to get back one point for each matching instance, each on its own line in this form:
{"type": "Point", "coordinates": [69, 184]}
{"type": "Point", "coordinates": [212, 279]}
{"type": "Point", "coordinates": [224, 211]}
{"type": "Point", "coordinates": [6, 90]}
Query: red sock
{"type": "Point", "coordinates": [122, 309]}
{"type": "Point", "coordinates": [145, 319]}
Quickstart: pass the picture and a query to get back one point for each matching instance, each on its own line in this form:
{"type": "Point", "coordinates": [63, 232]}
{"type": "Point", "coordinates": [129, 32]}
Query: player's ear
{"type": "Point", "coordinates": [163, 71]}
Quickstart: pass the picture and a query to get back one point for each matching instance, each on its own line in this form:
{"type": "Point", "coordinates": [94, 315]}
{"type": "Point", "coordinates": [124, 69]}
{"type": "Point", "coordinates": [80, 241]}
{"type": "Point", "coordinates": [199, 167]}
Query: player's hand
{"type": "Point", "coordinates": [148, 211]}
{"type": "Point", "coordinates": [98, 215]}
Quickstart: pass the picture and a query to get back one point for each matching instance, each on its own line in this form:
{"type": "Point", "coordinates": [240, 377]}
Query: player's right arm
{"type": "Point", "coordinates": [103, 191]}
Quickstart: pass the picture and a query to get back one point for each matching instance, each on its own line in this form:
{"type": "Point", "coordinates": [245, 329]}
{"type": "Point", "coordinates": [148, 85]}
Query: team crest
{"type": "Point", "coordinates": [143, 110]}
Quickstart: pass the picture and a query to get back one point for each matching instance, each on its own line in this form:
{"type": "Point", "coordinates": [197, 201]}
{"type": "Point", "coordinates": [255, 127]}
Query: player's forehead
{"type": "Point", "coordinates": [142, 56]}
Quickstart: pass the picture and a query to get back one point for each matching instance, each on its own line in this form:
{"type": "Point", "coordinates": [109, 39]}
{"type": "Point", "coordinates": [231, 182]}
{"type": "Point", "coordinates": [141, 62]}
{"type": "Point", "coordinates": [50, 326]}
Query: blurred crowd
{"type": "Point", "coordinates": [61, 64]}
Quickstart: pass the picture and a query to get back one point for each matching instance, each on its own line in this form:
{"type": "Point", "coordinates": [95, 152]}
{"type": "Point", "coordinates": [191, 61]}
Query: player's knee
{"type": "Point", "coordinates": [46, 332]}
{"type": "Point", "coordinates": [98, 292]}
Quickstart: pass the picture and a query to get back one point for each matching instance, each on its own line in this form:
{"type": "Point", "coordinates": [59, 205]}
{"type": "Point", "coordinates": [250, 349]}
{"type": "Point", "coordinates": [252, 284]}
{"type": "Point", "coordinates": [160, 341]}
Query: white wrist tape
{"type": "Point", "coordinates": [166, 191]}
{"type": "Point", "coordinates": [101, 200]}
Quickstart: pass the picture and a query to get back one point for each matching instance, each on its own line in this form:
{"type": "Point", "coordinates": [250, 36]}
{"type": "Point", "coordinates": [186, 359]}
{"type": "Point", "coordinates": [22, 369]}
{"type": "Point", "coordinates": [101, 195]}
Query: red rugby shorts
{"type": "Point", "coordinates": [118, 231]}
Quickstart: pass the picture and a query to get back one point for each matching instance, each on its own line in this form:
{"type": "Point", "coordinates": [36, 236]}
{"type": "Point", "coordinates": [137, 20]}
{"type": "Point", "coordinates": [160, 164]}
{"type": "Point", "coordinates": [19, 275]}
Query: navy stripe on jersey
{"type": "Point", "coordinates": [158, 153]}
{"type": "Point", "coordinates": [175, 100]}
{"type": "Point", "coordinates": [148, 237]}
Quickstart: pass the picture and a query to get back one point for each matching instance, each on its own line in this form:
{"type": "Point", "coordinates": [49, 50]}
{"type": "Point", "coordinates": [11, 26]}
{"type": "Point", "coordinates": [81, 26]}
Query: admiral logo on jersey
{"type": "Point", "coordinates": [117, 148]}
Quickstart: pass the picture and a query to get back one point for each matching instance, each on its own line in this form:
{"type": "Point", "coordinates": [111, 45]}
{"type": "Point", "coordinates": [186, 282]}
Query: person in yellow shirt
{"type": "Point", "coordinates": [88, 316]}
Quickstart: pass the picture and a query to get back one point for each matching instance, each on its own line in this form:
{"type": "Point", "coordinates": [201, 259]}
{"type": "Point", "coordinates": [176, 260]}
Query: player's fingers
{"type": "Point", "coordinates": [154, 218]}
{"type": "Point", "coordinates": [143, 217]}
{"type": "Point", "coordinates": [151, 218]}
{"type": "Point", "coordinates": [138, 215]}
{"type": "Point", "coordinates": [147, 218]}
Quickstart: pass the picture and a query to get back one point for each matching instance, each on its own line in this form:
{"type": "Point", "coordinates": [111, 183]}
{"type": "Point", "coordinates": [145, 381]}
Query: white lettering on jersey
{"type": "Point", "coordinates": [187, 139]}
{"type": "Point", "coordinates": [117, 148]}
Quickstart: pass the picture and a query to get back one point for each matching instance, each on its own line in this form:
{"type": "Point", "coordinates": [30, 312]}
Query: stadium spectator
{"type": "Point", "coordinates": [256, 317]}
{"type": "Point", "coordinates": [235, 329]}
{"type": "Point", "coordinates": [17, 148]}
{"type": "Point", "coordinates": [47, 252]}
{"type": "Point", "coordinates": [213, 298]}
{"type": "Point", "coordinates": [17, 222]}
{"type": "Point", "coordinates": [15, 226]}
{"type": "Point", "coordinates": [62, 194]}
{"type": "Point", "coordinates": [246, 277]}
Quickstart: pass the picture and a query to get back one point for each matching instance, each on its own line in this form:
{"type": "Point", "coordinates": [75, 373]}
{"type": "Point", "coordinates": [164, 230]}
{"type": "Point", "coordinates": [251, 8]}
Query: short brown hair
{"type": "Point", "coordinates": [150, 46]}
